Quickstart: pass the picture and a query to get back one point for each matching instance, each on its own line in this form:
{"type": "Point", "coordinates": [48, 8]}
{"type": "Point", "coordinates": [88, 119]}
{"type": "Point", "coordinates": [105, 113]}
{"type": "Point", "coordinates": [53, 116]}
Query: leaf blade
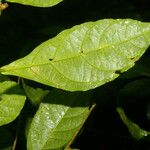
{"type": "Point", "coordinates": [11, 102]}
{"type": "Point", "coordinates": [85, 56]}
{"type": "Point", "coordinates": [136, 132]}
{"type": "Point", "coordinates": [35, 95]}
{"type": "Point", "coordinates": [55, 123]}
{"type": "Point", "coordinates": [38, 3]}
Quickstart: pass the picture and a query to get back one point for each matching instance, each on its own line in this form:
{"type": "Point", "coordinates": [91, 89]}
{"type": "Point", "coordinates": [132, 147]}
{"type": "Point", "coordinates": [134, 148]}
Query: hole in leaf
{"type": "Point", "coordinates": [132, 58]}
{"type": "Point", "coordinates": [118, 72]}
{"type": "Point", "coordinates": [50, 59]}
{"type": "Point", "coordinates": [82, 51]}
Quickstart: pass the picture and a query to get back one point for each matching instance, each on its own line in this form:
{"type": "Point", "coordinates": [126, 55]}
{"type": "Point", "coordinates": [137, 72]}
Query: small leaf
{"type": "Point", "coordinates": [133, 128]}
{"type": "Point", "coordinates": [35, 95]}
{"type": "Point", "coordinates": [12, 101]}
{"type": "Point", "coordinates": [85, 56]}
{"type": "Point", "coordinates": [38, 3]}
{"type": "Point", "coordinates": [57, 120]}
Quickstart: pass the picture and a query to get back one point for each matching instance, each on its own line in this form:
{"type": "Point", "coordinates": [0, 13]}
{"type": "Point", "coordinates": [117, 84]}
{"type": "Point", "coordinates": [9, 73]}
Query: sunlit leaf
{"type": "Point", "coordinates": [12, 101]}
{"type": "Point", "coordinates": [39, 3]}
{"type": "Point", "coordinates": [57, 120]}
{"type": "Point", "coordinates": [85, 56]}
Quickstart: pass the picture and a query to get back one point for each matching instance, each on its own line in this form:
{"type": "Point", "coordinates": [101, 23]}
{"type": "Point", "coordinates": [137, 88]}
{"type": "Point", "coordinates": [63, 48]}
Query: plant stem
{"type": "Point", "coordinates": [16, 136]}
{"type": "Point", "coordinates": [15, 142]}
{"type": "Point", "coordinates": [18, 125]}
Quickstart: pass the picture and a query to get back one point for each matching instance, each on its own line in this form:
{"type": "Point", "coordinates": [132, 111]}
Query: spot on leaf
{"type": "Point", "coordinates": [118, 72]}
{"type": "Point", "coordinates": [132, 58]}
{"type": "Point", "coordinates": [50, 59]}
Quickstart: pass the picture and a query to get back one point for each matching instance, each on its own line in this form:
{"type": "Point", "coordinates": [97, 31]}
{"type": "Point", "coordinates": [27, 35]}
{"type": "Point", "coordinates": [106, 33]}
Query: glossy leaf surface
{"type": "Point", "coordinates": [85, 56]}
{"type": "Point", "coordinates": [57, 120]}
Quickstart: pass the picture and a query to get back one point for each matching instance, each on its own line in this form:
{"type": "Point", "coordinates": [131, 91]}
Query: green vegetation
{"type": "Point", "coordinates": [71, 77]}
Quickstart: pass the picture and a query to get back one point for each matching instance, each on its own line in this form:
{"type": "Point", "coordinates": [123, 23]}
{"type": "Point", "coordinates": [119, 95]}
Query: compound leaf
{"type": "Point", "coordinates": [57, 120]}
{"type": "Point", "coordinates": [12, 101]}
{"type": "Point", "coordinates": [38, 3]}
{"type": "Point", "coordinates": [85, 56]}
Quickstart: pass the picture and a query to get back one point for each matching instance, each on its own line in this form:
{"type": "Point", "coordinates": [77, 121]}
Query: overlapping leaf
{"type": "Point", "coordinates": [85, 56]}
{"type": "Point", "coordinates": [35, 95]}
{"type": "Point", "coordinates": [3, 78]}
{"type": "Point", "coordinates": [57, 120]}
{"type": "Point", "coordinates": [12, 101]}
{"type": "Point", "coordinates": [39, 3]}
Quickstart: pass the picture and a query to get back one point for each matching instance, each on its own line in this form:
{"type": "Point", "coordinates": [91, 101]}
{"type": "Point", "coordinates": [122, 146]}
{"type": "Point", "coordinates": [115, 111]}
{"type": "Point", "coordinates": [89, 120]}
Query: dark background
{"type": "Point", "coordinates": [22, 28]}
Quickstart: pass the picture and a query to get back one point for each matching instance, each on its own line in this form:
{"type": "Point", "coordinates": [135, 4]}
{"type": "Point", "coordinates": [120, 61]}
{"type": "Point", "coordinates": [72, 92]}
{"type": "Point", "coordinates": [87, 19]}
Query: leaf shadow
{"type": "Point", "coordinates": [71, 99]}
{"type": "Point", "coordinates": [13, 90]}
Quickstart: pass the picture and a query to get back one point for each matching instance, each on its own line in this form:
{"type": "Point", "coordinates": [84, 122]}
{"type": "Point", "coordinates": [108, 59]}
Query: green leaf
{"type": "Point", "coordinates": [133, 128]}
{"type": "Point", "coordinates": [27, 127]}
{"type": "Point", "coordinates": [57, 120]}
{"type": "Point", "coordinates": [85, 56]}
{"type": "Point", "coordinates": [35, 95]}
{"type": "Point", "coordinates": [3, 78]}
{"type": "Point", "coordinates": [38, 3]}
{"type": "Point", "coordinates": [12, 101]}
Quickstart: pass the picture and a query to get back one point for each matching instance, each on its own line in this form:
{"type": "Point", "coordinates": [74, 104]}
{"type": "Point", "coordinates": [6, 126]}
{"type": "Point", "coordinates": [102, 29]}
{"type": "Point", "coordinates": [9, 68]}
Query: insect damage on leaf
{"type": "Point", "coordinates": [118, 72]}
{"type": "Point", "coordinates": [50, 59]}
{"type": "Point", "coordinates": [132, 58]}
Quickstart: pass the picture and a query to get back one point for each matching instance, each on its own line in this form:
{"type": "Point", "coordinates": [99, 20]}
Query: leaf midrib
{"type": "Point", "coordinates": [79, 55]}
